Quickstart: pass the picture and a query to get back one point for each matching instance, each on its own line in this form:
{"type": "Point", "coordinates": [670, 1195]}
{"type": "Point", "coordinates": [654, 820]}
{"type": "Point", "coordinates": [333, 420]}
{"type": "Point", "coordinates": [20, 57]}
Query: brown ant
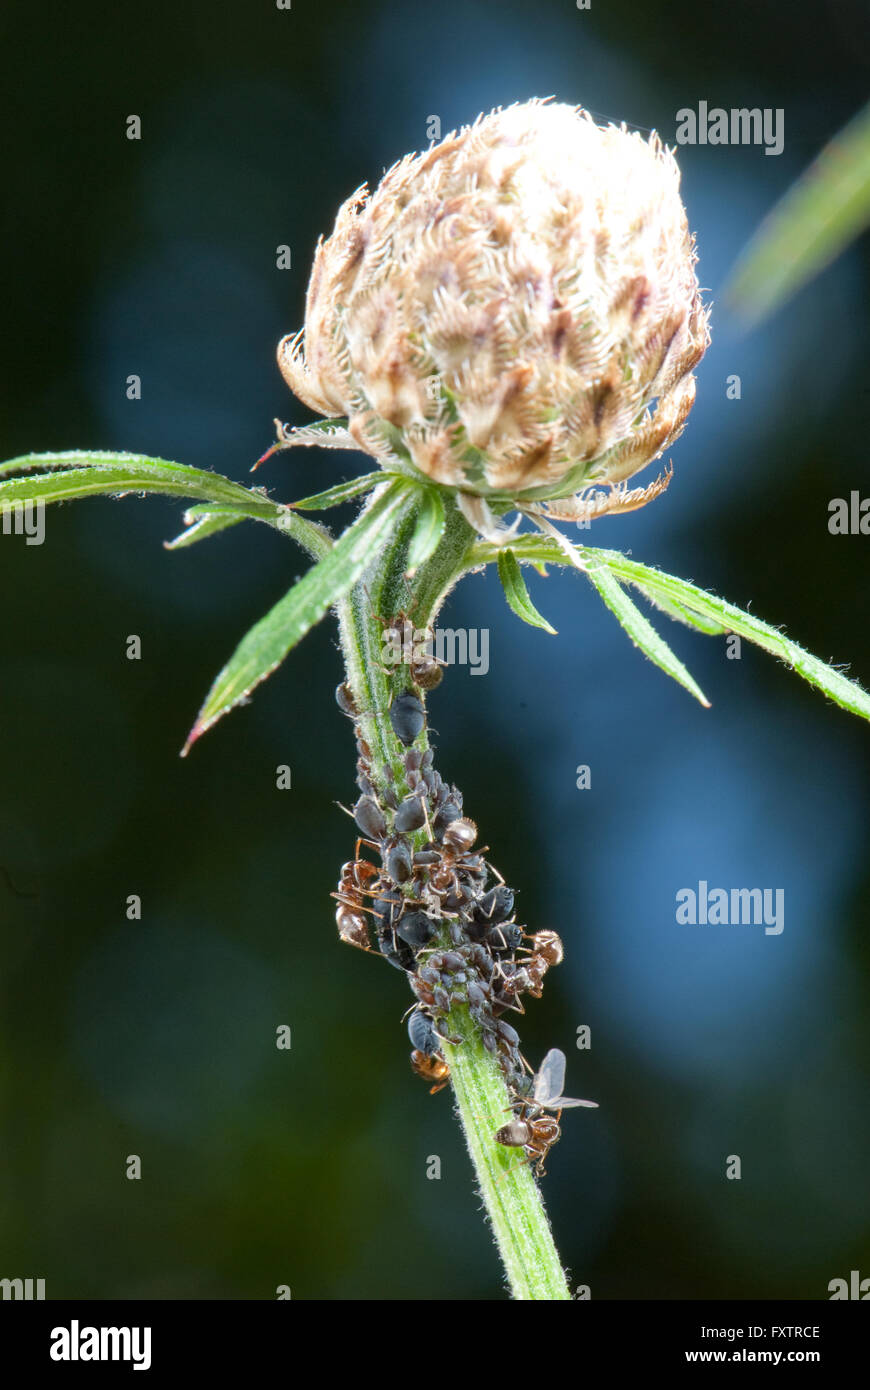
{"type": "Point", "coordinates": [432, 1068]}
{"type": "Point", "coordinates": [532, 1130]}
{"type": "Point", "coordinates": [529, 976]}
{"type": "Point", "coordinates": [353, 884]}
{"type": "Point", "coordinates": [427, 672]}
{"type": "Point", "coordinates": [548, 951]}
{"type": "Point", "coordinates": [548, 945]}
{"type": "Point", "coordinates": [535, 1137]}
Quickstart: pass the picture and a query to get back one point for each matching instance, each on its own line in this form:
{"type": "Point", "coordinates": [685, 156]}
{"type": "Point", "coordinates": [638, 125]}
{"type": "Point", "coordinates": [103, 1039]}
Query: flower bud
{"type": "Point", "coordinates": [515, 310]}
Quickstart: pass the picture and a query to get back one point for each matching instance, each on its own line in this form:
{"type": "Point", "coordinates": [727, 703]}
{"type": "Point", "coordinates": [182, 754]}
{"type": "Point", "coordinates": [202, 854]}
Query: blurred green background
{"type": "Point", "coordinates": [308, 1167]}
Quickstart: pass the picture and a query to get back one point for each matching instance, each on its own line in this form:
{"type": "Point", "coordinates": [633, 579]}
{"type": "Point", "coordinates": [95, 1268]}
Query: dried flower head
{"type": "Point", "coordinates": [515, 310]}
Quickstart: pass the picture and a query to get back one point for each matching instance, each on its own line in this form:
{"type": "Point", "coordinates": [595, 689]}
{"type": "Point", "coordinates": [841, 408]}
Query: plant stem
{"type": "Point", "coordinates": [506, 1183]}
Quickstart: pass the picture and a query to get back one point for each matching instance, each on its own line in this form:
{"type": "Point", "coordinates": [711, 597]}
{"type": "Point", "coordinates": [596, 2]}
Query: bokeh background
{"type": "Point", "coordinates": [156, 1038]}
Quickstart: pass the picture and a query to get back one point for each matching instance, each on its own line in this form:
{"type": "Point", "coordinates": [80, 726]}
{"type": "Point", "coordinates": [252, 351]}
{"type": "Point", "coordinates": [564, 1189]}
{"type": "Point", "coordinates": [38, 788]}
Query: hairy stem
{"type": "Point", "coordinates": [506, 1183]}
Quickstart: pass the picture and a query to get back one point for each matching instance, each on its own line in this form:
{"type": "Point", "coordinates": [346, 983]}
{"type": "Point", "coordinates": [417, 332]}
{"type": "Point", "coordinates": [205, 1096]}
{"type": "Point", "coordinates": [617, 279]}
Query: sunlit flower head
{"type": "Point", "coordinates": [515, 310]}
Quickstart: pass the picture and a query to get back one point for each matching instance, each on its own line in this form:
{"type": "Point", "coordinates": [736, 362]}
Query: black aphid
{"type": "Point", "coordinates": [397, 860]}
{"type": "Point", "coordinates": [370, 818]}
{"type": "Point", "coordinates": [421, 1031]}
{"type": "Point", "coordinates": [407, 717]}
{"type": "Point", "coordinates": [410, 815]}
{"type": "Point", "coordinates": [416, 929]}
{"type": "Point", "coordinates": [496, 905]}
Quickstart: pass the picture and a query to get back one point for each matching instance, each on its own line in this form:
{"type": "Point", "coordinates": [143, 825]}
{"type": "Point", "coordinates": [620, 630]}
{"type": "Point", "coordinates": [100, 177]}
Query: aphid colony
{"type": "Point", "coordinates": [430, 909]}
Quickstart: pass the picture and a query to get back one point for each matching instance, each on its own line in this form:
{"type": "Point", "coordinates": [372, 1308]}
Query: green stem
{"type": "Point", "coordinates": [506, 1183]}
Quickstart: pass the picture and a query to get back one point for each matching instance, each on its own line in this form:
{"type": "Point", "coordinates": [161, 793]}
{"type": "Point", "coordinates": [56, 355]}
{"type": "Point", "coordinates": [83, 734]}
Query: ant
{"type": "Point", "coordinates": [431, 1068]}
{"type": "Point", "coordinates": [353, 885]}
{"type": "Point", "coordinates": [532, 1129]}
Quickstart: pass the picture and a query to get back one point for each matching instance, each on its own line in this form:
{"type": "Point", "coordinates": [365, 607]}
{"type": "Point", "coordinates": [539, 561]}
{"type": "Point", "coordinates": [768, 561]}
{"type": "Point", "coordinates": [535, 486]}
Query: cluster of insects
{"type": "Point", "coordinates": [437, 910]}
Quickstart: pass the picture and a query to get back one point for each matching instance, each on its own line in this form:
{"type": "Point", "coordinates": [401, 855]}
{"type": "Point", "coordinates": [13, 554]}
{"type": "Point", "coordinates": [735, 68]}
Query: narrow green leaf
{"type": "Point", "coordinates": [640, 630]}
{"type": "Point", "coordinates": [695, 602]}
{"type": "Point", "coordinates": [819, 215]}
{"type": "Point", "coordinates": [516, 593]}
{"type": "Point", "coordinates": [342, 492]}
{"type": "Point", "coordinates": [682, 615]}
{"type": "Point", "coordinates": [262, 510]}
{"type": "Point", "coordinates": [316, 539]}
{"type": "Point", "coordinates": [832, 682]}
{"type": "Point", "coordinates": [716, 611]}
{"type": "Point", "coordinates": [268, 642]}
{"type": "Point", "coordinates": [200, 528]}
{"type": "Point", "coordinates": [62, 477]}
{"type": "Point", "coordinates": [429, 528]}
{"type": "Point", "coordinates": [49, 478]}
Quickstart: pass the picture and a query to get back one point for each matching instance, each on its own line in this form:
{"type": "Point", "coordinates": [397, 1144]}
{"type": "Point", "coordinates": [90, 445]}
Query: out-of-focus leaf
{"type": "Point", "coordinates": [819, 215]}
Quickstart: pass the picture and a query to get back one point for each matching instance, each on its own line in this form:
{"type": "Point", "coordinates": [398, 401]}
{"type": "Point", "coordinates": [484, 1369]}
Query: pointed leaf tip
{"type": "Point", "coordinates": [517, 594]}
{"type": "Point", "coordinates": [262, 650]}
{"type": "Point", "coordinates": [191, 739]}
{"type": "Point", "coordinates": [641, 631]}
